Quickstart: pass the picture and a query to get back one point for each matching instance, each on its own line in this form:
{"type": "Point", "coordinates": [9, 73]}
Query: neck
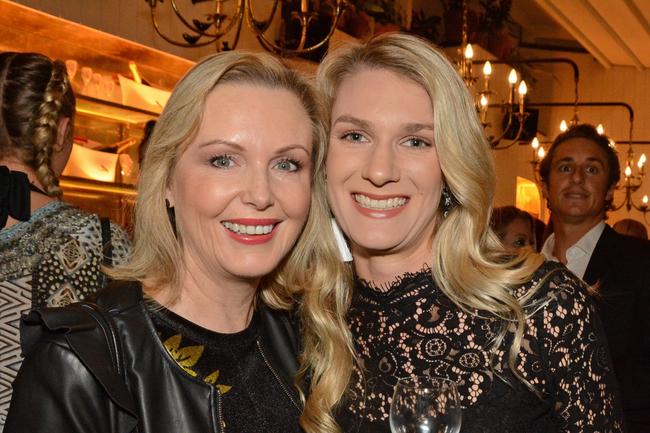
{"type": "Point", "coordinates": [15, 165]}
{"type": "Point", "coordinates": [383, 268]}
{"type": "Point", "coordinates": [223, 305]}
{"type": "Point", "coordinates": [568, 233]}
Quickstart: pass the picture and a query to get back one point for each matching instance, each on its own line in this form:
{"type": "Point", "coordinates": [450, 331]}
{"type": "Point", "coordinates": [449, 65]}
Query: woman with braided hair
{"type": "Point", "coordinates": [51, 253]}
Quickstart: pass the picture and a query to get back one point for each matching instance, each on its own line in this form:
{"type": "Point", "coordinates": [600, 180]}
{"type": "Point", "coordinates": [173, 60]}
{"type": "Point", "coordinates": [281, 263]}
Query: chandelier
{"type": "Point", "coordinates": [213, 27]}
{"type": "Point", "coordinates": [515, 112]}
{"type": "Point", "coordinates": [514, 108]}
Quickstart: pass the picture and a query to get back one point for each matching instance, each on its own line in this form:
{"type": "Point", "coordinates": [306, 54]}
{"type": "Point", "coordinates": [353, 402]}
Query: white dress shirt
{"type": "Point", "coordinates": [578, 254]}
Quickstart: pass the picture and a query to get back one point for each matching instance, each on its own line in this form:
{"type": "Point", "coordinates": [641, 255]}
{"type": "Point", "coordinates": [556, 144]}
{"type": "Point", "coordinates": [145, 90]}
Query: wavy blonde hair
{"type": "Point", "coordinates": [311, 277]}
{"type": "Point", "coordinates": [467, 258]}
{"type": "Point", "coordinates": [35, 93]}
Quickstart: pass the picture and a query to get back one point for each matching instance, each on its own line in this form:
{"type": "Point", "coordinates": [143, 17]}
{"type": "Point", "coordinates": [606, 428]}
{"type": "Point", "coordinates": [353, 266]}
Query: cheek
{"type": "Point", "coordinates": [339, 169]}
{"type": "Point", "coordinates": [295, 197]}
{"type": "Point", "coordinates": [428, 178]}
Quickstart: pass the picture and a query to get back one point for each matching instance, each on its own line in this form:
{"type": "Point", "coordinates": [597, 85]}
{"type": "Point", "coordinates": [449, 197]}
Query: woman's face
{"type": "Point", "coordinates": [241, 189]}
{"type": "Point", "coordinates": [383, 175]}
{"type": "Point", "coordinates": [517, 234]}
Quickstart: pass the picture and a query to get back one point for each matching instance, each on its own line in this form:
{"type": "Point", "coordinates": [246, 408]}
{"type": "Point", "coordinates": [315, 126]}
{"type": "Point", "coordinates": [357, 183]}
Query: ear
{"type": "Point", "coordinates": [63, 134]}
{"type": "Point", "coordinates": [544, 190]}
{"type": "Point", "coordinates": [609, 196]}
{"type": "Point", "coordinates": [169, 197]}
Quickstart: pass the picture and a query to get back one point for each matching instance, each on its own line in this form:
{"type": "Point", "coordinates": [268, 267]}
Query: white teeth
{"type": "Point", "coordinates": [248, 230]}
{"type": "Point", "coordinates": [369, 203]}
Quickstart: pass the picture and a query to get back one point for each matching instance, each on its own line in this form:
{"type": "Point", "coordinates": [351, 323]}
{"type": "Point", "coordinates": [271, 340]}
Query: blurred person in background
{"type": "Point", "coordinates": [51, 253]}
{"type": "Point", "coordinates": [515, 228]}
{"type": "Point", "coordinates": [630, 227]}
{"type": "Point", "coordinates": [579, 175]}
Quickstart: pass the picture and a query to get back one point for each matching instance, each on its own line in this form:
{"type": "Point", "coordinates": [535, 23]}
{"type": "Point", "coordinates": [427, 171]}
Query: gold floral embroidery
{"type": "Point", "coordinates": [212, 380]}
{"type": "Point", "coordinates": [187, 357]}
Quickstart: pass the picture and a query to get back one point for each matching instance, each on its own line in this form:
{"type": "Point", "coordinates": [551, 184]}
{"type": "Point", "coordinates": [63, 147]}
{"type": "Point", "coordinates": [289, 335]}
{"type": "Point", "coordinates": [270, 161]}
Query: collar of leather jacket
{"type": "Point", "coordinates": [89, 329]}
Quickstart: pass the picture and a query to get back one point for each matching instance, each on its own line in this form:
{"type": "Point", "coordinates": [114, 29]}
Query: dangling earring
{"type": "Point", "coordinates": [171, 214]}
{"type": "Point", "coordinates": [449, 202]}
{"type": "Point", "coordinates": [344, 250]}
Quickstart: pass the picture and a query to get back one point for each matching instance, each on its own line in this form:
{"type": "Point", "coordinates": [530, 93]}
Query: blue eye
{"type": "Point", "coordinates": [417, 142]}
{"type": "Point", "coordinates": [222, 161]}
{"type": "Point", "coordinates": [289, 165]}
{"type": "Point", "coordinates": [354, 136]}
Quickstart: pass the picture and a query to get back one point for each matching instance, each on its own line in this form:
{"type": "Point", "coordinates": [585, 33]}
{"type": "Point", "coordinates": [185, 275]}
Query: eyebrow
{"type": "Point", "coordinates": [240, 148]}
{"type": "Point", "coordinates": [364, 124]}
{"type": "Point", "coordinates": [571, 159]}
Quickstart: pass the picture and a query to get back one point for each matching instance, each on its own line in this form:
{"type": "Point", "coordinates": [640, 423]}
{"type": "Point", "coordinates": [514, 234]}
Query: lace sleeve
{"type": "Point", "coordinates": [579, 364]}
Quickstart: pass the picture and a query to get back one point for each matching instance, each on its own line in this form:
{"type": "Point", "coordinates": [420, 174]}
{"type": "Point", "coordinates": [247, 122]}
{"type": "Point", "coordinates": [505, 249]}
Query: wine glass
{"type": "Point", "coordinates": [425, 404]}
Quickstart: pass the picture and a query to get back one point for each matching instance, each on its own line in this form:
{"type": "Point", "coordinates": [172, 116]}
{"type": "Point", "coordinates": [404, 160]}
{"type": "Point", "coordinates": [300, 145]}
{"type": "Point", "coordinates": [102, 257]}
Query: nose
{"type": "Point", "coordinates": [381, 167]}
{"type": "Point", "coordinates": [257, 191]}
{"type": "Point", "coordinates": [578, 176]}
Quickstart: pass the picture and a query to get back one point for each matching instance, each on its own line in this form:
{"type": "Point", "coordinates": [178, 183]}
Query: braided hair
{"type": "Point", "coordinates": [35, 93]}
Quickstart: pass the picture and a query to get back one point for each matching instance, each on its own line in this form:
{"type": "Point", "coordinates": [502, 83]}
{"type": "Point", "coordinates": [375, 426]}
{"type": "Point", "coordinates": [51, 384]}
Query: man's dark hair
{"type": "Point", "coordinates": [588, 132]}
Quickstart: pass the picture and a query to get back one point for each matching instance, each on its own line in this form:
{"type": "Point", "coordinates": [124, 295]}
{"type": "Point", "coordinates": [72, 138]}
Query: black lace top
{"type": "Point", "coordinates": [412, 328]}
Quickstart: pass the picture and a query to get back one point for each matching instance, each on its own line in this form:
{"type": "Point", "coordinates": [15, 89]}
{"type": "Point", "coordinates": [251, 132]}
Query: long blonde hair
{"type": "Point", "coordinates": [467, 258]}
{"type": "Point", "coordinates": [311, 276]}
{"type": "Point", "coordinates": [35, 93]}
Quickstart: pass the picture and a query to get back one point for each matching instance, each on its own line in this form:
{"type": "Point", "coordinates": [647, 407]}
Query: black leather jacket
{"type": "Point", "coordinates": [71, 381]}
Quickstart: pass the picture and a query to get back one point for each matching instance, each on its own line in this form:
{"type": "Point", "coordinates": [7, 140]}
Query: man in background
{"type": "Point", "coordinates": [579, 176]}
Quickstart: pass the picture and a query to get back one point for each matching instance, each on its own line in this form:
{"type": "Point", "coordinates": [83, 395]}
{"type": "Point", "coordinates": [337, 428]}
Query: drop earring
{"type": "Point", "coordinates": [449, 202]}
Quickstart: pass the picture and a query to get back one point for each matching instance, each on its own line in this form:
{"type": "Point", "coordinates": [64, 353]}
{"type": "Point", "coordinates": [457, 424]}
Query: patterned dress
{"type": "Point", "coordinates": [412, 328]}
{"type": "Point", "coordinates": [51, 260]}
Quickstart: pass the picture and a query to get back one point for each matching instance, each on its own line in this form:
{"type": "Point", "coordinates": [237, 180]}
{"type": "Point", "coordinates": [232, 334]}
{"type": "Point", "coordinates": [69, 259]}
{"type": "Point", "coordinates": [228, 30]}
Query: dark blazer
{"type": "Point", "coordinates": [67, 383]}
{"type": "Point", "coordinates": [621, 266]}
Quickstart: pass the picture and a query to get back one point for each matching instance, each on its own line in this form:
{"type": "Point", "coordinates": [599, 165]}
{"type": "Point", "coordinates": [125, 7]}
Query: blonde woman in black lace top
{"type": "Point", "coordinates": [411, 183]}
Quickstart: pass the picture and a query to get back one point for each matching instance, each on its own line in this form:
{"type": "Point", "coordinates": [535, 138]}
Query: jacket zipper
{"type": "Point", "coordinates": [221, 428]}
{"type": "Point", "coordinates": [277, 377]}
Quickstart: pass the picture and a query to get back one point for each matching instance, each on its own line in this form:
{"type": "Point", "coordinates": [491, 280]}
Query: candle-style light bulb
{"type": "Point", "coordinates": [645, 200]}
{"type": "Point", "coordinates": [483, 102]}
{"type": "Point", "coordinates": [642, 160]}
{"type": "Point", "coordinates": [612, 144]}
{"type": "Point", "coordinates": [523, 89]}
{"type": "Point", "coordinates": [563, 126]}
{"type": "Point", "coordinates": [541, 153]}
{"type": "Point", "coordinates": [469, 52]}
{"type": "Point", "coordinates": [512, 78]}
{"type": "Point", "coordinates": [487, 69]}
{"type": "Point", "coordinates": [535, 143]}
{"type": "Point", "coordinates": [600, 129]}
{"type": "Point", "coordinates": [628, 171]}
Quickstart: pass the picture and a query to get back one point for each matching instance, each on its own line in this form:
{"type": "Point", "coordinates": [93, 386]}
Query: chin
{"type": "Point", "coordinates": [377, 244]}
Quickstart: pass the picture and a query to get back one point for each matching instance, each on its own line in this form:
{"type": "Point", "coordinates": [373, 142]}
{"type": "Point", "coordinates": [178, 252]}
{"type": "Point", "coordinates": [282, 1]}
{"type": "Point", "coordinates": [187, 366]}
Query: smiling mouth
{"type": "Point", "coordinates": [250, 230]}
{"type": "Point", "coordinates": [383, 204]}
{"type": "Point", "coordinates": [576, 195]}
